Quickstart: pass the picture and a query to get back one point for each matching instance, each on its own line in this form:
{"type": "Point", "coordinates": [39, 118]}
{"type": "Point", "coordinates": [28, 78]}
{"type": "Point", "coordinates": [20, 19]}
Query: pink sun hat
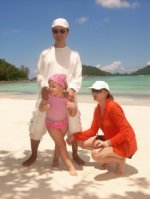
{"type": "Point", "coordinates": [59, 78]}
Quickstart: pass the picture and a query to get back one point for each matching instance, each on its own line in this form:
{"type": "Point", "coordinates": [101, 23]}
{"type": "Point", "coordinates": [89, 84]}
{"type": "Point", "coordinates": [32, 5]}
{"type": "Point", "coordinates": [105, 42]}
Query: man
{"type": "Point", "coordinates": [58, 59]}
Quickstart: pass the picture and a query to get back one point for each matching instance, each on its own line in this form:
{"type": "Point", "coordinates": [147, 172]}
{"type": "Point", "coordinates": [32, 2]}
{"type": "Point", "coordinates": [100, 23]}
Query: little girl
{"type": "Point", "coordinates": [58, 107]}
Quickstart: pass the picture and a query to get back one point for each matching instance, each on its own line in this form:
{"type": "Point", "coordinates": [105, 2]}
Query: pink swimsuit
{"type": "Point", "coordinates": [57, 115]}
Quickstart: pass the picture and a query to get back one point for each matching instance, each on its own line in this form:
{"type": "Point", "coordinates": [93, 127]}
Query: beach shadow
{"type": "Point", "coordinates": [130, 195]}
{"type": "Point", "coordinates": [84, 155]}
{"type": "Point", "coordinates": [45, 159]}
{"type": "Point", "coordinates": [109, 173]}
{"type": "Point", "coordinates": [35, 181]}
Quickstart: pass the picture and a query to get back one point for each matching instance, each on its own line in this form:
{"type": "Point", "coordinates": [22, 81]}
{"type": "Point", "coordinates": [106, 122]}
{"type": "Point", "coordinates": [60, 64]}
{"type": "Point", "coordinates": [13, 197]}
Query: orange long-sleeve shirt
{"type": "Point", "coordinates": [115, 127]}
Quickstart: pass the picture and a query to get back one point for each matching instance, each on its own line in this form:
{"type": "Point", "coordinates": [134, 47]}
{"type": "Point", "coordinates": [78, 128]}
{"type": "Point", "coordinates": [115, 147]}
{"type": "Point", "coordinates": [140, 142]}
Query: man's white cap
{"type": "Point", "coordinates": [60, 22]}
{"type": "Point", "coordinates": [98, 85]}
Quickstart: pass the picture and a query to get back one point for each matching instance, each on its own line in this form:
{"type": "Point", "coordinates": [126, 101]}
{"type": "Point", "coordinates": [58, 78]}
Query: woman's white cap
{"type": "Point", "coordinates": [60, 22]}
{"type": "Point", "coordinates": [98, 85]}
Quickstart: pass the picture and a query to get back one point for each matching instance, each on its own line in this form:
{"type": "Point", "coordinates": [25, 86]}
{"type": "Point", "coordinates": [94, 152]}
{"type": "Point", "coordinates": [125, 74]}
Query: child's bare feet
{"type": "Point", "coordinates": [73, 172]}
{"type": "Point", "coordinates": [120, 167]}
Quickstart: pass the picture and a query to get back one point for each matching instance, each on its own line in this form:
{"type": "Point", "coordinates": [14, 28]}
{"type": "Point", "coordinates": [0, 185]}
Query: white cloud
{"type": "Point", "coordinates": [82, 20]}
{"type": "Point", "coordinates": [148, 63]}
{"type": "Point", "coordinates": [117, 4]}
{"type": "Point", "coordinates": [115, 67]}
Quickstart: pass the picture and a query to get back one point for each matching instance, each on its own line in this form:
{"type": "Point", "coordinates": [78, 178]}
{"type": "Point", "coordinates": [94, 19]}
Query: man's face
{"type": "Point", "coordinates": [60, 33]}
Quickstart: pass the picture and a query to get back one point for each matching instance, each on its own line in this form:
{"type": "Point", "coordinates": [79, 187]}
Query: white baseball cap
{"type": "Point", "coordinates": [98, 85]}
{"type": "Point", "coordinates": [60, 22]}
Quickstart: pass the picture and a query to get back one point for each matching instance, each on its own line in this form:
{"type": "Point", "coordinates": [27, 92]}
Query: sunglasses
{"type": "Point", "coordinates": [56, 31]}
{"type": "Point", "coordinates": [96, 91]}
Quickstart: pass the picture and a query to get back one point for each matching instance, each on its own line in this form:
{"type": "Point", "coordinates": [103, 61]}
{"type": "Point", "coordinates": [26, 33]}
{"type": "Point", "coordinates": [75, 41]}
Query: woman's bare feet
{"type": "Point", "coordinates": [120, 167]}
{"type": "Point", "coordinates": [29, 161]}
{"type": "Point", "coordinates": [104, 166]}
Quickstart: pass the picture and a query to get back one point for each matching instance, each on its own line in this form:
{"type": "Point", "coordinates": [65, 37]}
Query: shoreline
{"type": "Point", "coordinates": [122, 100]}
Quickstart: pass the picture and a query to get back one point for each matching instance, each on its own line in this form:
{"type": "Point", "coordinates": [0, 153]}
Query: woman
{"type": "Point", "coordinates": [119, 138]}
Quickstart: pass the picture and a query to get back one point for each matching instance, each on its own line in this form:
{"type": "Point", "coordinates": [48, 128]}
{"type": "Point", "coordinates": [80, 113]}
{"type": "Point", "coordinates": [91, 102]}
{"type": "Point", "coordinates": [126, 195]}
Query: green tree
{"type": "Point", "coordinates": [9, 72]}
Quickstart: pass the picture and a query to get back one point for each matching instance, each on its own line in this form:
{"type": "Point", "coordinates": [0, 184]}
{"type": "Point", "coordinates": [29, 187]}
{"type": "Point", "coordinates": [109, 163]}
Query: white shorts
{"type": "Point", "coordinates": [37, 126]}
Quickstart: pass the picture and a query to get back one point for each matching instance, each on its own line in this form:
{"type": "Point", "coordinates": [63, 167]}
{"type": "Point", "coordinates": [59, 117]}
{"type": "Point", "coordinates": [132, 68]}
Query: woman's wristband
{"type": "Point", "coordinates": [108, 143]}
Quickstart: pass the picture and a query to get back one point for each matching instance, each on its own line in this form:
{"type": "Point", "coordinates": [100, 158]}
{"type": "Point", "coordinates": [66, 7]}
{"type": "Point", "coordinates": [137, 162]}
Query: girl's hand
{"type": "Point", "coordinates": [70, 139]}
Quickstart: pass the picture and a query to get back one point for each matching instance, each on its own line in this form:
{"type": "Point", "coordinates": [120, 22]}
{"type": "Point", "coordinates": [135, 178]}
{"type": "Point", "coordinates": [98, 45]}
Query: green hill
{"type": "Point", "coordinates": [93, 71]}
{"type": "Point", "coordinates": [9, 72]}
{"type": "Point", "coordinates": [142, 71]}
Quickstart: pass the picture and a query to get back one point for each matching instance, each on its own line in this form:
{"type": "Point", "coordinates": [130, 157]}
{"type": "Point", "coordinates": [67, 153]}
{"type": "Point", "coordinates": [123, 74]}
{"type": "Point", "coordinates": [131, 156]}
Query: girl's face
{"type": "Point", "coordinates": [99, 95]}
{"type": "Point", "coordinates": [55, 88]}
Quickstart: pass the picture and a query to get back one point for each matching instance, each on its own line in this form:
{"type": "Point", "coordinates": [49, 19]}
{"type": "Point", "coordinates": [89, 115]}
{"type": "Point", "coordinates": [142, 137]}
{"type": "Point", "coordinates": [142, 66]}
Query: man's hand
{"type": "Point", "coordinates": [70, 105]}
{"type": "Point", "coordinates": [44, 106]}
{"type": "Point", "coordinates": [71, 95]}
{"type": "Point", "coordinates": [45, 92]}
{"type": "Point", "coordinates": [70, 139]}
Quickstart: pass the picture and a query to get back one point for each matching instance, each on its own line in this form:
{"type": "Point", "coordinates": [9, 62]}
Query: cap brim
{"type": "Point", "coordinates": [93, 88]}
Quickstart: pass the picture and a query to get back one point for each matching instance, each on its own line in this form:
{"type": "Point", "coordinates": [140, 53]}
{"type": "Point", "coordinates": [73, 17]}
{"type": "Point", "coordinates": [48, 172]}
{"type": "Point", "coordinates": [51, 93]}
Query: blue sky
{"type": "Point", "coordinates": [113, 35]}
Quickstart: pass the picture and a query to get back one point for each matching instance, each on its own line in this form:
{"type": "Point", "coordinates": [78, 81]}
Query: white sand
{"type": "Point", "coordinates": [39, 181]}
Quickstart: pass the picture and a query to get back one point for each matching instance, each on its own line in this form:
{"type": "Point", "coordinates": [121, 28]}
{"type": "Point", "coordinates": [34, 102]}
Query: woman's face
{"type": "Point", "coordinates": [99, 95]}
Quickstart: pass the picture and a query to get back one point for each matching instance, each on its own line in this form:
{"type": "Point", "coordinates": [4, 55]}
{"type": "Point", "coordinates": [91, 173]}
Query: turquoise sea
{"type": "Point", "coordinates": [120, 86]}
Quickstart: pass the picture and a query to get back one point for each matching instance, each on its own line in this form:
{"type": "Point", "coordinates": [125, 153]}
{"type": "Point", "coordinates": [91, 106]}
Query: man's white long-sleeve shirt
{"type": "Point", "coordinates": [60, 60]}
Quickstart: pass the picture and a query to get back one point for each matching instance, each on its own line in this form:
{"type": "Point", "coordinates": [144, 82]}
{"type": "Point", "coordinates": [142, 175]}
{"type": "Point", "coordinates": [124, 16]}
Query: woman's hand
{"type": "Point", "coordinates": [99, 144]}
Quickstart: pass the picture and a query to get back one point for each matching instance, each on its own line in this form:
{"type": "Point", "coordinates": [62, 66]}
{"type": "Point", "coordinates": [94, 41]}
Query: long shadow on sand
{"type": "Point", "coordinates": [110, 174]}
{"type": "Point", "coordinates": [34, 182]}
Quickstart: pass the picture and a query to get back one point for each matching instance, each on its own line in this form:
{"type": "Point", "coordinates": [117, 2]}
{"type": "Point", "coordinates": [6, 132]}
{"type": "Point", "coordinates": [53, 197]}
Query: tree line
{"type": "Point", "coordinates": [9, 72]}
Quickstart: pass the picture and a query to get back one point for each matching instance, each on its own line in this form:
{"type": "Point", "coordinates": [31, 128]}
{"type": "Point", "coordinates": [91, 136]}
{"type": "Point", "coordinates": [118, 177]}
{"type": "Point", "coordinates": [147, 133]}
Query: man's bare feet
{"type": "Point", "coordinates": [120, 167]}
{"type": "Point", "coordinates": [78, 160]}
{"type": "Point", "coordinates": [29, 161]}
{"type": "Point", "coordinates": [55, 163]}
